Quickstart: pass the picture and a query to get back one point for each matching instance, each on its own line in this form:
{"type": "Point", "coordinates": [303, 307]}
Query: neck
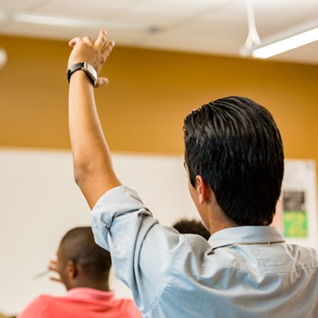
{"type": "Point", "coordinates": [211, 213]}
{"type": "Point", "coordinates": [218, 221]}
{"type": "Point", "coordinates": [221, 226]}
{"type": "Point", "coordinates": [85, 282]}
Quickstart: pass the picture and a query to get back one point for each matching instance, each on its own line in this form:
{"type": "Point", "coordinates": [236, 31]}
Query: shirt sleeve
{"type": "Point", "coordinates": [142, 250]}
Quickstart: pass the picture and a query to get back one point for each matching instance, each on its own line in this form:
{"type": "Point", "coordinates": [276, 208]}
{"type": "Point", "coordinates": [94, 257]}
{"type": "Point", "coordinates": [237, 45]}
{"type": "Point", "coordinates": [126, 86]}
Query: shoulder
{"type": "Point", "coordinates": [36, 308]}
{"type": "Point", "coordinates": [127, 305]}
{"type": "Point", "coordinates": [303, 253]}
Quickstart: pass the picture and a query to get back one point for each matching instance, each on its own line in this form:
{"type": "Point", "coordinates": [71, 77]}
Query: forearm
{"type": "Point", "coordinates": [93, 169]}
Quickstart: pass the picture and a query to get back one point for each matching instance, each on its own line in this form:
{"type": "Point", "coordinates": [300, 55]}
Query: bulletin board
{"type": "Point", "coordinates": [296, 213]}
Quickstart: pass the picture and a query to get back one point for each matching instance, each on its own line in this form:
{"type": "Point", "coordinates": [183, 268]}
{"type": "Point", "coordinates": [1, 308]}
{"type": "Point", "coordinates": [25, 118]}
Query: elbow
{"type": "Point", "coordinates": [80, 174]}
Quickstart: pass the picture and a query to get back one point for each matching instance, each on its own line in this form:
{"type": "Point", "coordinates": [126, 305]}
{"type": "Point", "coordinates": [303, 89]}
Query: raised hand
{"type": "Point", "coordinates": [93, 52]}
{"type": "Point", "coordinates": [53, 266]}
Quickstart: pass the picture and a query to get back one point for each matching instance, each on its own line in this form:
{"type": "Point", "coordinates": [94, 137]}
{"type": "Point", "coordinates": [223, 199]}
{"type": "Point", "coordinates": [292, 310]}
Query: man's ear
{"type": "Point", "coordinates": [71, 269]}
{"type": "Point", "coordinates": [203, 189]}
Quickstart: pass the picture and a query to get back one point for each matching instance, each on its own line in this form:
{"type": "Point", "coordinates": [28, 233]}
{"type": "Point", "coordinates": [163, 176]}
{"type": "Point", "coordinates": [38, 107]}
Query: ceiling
{"type": "Point", "coordinates": [203, 26]}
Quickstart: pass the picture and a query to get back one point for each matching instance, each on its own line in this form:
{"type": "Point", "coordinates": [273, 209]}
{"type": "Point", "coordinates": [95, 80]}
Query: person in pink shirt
{"type": "Point", "coordinates": [84, 269]}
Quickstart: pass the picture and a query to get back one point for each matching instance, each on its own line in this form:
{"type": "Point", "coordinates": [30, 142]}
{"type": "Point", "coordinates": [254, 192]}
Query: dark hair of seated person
{"type": "Point", "coordinates": [185, 226]}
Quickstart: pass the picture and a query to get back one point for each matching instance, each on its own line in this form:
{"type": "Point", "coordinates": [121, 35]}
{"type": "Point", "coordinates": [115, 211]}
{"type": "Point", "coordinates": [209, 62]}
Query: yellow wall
{"type": "Point", "coordinates": [150, 92]}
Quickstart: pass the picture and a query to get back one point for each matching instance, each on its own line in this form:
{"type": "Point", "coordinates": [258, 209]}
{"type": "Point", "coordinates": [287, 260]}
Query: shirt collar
{"type": "Point", "coordinates": [83, 292]}
{"type": "Point", "coordinates": [246, 235]}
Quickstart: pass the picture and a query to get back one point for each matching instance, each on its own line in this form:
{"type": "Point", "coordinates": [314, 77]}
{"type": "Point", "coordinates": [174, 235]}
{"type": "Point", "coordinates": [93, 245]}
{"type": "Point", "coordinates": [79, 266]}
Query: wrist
{"type": "Point", "coordinates": [85, 67]}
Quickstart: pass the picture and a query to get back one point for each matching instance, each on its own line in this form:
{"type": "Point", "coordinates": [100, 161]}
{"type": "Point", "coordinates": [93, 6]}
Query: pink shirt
{"type": "Point", "coordinates": [81, 303]}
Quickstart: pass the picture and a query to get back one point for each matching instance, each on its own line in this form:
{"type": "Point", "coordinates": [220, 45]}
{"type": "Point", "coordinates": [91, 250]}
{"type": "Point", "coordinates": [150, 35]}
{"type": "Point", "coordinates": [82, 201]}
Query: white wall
{"type": "Point", "coordinates": [39, 202]}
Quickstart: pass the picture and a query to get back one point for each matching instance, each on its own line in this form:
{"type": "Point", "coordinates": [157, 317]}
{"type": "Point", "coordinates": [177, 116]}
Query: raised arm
{"type": "Point", "coordinates": [93, 170]}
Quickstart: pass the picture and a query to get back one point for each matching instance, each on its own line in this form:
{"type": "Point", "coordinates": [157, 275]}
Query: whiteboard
{"type": "Point", "coordinates": [40, 201]}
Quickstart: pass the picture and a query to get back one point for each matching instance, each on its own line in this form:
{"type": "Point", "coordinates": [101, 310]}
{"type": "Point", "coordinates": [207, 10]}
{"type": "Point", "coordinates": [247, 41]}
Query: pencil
{"type": "Point", "coordinates": [41, 274]}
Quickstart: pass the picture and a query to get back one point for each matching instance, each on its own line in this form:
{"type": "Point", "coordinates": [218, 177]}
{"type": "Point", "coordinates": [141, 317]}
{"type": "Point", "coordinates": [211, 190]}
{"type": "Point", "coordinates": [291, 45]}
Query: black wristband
{"type": "Point", "coordinates": [83, 66]}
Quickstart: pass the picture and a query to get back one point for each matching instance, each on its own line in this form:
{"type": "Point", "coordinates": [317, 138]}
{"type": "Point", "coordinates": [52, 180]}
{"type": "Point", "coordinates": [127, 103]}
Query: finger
{"type": "Point", "coordinates": [52, 263]}
{"type": "Point", "coordinates": [55, 279]}
{"type": "Point", "coordinates": [74, 41]}
{"type": "Point", "coordinates": [108, 49]}
{"type": "Point", "coordinates": [52, 268]}
{"type": "Point", "coordinates": [109, 46]}
{"type": "Point", "coordinates": [101, 40]}
{"type": "Point", "coordinates": [101, 81]}
{"type": "Point", "coordinates": [87, 40]}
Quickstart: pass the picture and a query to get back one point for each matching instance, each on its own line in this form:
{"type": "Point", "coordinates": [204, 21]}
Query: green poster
{"type": "Point", "coordinates": [295, 216]}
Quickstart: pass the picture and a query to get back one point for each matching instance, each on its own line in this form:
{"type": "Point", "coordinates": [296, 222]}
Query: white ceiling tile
{"type": "Point", "coordinates": [179, 4]}
{"type": "Point", "coordinates": [46, 32]}
{"type": "Point", "coordinates": [199, 37]}
{"type": "Point", "coordinates": [15, 5]}
{"type": "Point", "coordinates": [178, 8]}
{"type": "Point", "coordinates": [80, 8]}
{"type": "Point", "coordinates": [210, 26]}
{"type": "Point", "coordinates": [283, 14]}
{"type": "Point", "coordinates": [157, 19]}
{"type": "Point", "coordinates": [198, 28]}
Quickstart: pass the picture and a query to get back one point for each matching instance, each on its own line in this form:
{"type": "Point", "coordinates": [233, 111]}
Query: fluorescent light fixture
{"type": "Point", "coordinates": [286, 44]}
{"type": "Point", "coordinates": [283, 41]}
{"type": "Point", "coordinates": [77, 23]}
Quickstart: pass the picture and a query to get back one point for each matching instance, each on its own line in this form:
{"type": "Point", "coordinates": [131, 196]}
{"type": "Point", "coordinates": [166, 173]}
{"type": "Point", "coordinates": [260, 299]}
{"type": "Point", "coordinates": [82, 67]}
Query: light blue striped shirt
{"type": "Point", "coordinates": [246, 271]}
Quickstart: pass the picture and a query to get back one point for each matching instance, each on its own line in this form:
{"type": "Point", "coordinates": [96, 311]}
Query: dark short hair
{"type": "Point", "coordinates": [185, 226]}
{"type": "Point", "coordinates": [234, 144]}
{"type": "Point", "coordinates": [79, 245]}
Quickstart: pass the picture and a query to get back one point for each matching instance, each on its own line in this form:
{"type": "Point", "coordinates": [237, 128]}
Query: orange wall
{"type": "Point", "coordinates": [150, 92]}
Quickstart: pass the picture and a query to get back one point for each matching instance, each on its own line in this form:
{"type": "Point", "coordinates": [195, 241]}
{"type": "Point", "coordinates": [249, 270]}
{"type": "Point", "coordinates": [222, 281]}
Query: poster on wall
{"type": "Point", "coordinates": [296, 213]}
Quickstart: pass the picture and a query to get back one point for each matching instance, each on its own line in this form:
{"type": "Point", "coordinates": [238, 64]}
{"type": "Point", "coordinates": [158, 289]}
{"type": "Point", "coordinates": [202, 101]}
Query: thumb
{"type": "Point", "coordinates": [101, 81]}
{"type": "Point", "coordinates": [74, 41]}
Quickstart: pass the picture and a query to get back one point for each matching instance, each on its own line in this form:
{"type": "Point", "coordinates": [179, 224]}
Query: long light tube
{"type": "Point", "coordinates": [63, 22]}
{"type": "Point", "coordinates": [286, 44]}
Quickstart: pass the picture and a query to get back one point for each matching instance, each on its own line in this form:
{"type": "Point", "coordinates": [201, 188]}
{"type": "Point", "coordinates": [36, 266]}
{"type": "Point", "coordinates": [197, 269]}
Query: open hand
{"type": "Point", "coordinates": [94, 52]}
{"type": "Point", "coordinates": [53, 266]}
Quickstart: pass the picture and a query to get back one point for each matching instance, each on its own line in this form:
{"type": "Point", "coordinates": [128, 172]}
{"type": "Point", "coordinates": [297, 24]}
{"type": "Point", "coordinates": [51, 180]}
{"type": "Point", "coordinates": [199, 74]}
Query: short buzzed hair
{"type": "Point", "coordinates": [79, 245]}
{"type": "Point", "coordinates": [185, 226]}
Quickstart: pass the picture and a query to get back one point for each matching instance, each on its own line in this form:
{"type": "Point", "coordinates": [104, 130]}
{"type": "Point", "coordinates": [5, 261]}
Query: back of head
{"type": "Point", "coordinates": [78, 245]}
{"type": "Point", "coordinates": [235, 145]}
{"type": "Point", "coordinates": [185, 226]}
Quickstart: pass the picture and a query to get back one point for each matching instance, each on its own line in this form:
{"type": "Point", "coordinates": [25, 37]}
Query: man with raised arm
{"type": "Point", "coordinates": [235, 162]}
